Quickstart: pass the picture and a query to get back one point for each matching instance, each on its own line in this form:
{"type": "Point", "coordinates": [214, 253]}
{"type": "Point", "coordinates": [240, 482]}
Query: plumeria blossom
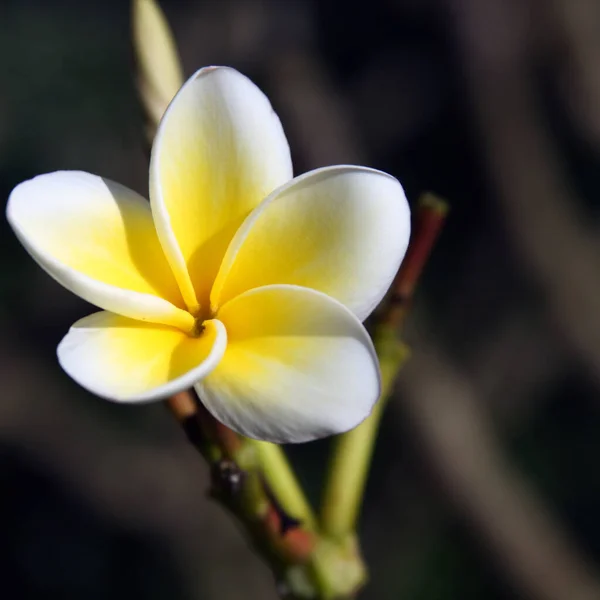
{"type": "Point", "coordinates": [236, 278]}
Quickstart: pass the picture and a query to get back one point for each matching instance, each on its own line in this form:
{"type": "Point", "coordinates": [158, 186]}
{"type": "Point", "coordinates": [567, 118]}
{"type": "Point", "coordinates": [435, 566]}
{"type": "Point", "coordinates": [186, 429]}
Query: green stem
{"type": "Point", "coordinates": [283, 482]}
{"type": "Point", "coordinates": [352, 451]}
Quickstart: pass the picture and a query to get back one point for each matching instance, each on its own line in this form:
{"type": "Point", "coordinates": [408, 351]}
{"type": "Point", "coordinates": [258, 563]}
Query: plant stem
{"type": "Point", "coordinates": [239, 468]}
{"type": "Point", "coordinates": [283, 482]}
{"type": "Point", "coordinates": [430, 217]}
{"type": "Point", "coordinates": [352, 452]}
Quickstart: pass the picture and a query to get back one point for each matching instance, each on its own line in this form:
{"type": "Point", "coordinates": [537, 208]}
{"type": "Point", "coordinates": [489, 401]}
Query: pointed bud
{"type": "Point", "coordinates": [159, 74]}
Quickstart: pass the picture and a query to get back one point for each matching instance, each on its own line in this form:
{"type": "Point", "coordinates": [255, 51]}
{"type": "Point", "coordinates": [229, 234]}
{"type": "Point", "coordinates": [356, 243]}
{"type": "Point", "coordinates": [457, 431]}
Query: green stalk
{"type": "Point", "coordinates": [283, 482]}
{"type": "Point", "coordinates": [353, 451]}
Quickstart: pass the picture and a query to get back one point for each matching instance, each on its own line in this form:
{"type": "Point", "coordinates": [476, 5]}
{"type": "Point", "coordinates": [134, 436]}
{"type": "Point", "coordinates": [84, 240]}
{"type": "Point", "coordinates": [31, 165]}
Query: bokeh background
{"type": "Point", "coordinates": [485, 481]}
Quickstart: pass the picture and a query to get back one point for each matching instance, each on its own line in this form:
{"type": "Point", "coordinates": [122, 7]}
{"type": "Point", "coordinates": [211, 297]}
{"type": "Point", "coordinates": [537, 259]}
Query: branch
{"type": "Point", "coordinates": [305, 564]}
{"type": "Point", "coordinates": [238, 482]}
{"type": "Point", "coordinates": [578, 26]}
{"type": "Point", "coordinates": [430, 218]}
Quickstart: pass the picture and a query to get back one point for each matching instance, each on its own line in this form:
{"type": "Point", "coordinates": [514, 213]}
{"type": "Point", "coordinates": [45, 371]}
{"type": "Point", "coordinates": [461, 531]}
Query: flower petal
{"type": "Point", "coordinates": [97, 238]}
{"type": "Point", "coordinates": [340, 230]}
{"type": "Point", "coordinates": [298, 366]}
{"type": "Point", "coordinates": [219, 151]}
{"type": "Point", "coordinates": [131, 361]}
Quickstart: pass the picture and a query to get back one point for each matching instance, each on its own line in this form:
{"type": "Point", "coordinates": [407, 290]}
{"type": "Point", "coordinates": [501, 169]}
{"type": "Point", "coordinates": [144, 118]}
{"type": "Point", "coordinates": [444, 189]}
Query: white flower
{"type": "Point", "coordinates": [236, 278]}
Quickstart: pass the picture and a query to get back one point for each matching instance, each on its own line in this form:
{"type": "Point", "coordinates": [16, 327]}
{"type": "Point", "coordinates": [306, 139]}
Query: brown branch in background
{"type": "Point", "coordinates": [532, 547]}
{"type": "Point", "coordinates": [528, 543]}
{"type": "Point", "coordinates": [559, 251]}
{"type": "Point", "coordinates": [315, 114]}
{"type": "Point", "coordinates": [516, 366]}
{"type": "Point", "coordinates": [577, 26]}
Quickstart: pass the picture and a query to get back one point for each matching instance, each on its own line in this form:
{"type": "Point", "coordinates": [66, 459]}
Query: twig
{"type": "Point", "coordinates": [558, 250]}
{"type": "Point", "coordinates": [531, 546]}
{"type": "Point", "coordinates": [578, 25]}
{"type": "Point", "coordinates": [429, 220]}
{"type": "Point", "coordinates": [305, 564]}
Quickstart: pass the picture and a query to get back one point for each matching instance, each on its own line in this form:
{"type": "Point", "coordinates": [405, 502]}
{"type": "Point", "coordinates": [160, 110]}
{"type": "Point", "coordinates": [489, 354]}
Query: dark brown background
{"type": "Point", "coordinates": [485, 482]}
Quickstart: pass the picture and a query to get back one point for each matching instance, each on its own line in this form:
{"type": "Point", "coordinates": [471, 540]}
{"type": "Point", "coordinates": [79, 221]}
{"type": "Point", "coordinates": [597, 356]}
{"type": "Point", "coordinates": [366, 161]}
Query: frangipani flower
{"type": "Point", "coordinates": [236, 278]}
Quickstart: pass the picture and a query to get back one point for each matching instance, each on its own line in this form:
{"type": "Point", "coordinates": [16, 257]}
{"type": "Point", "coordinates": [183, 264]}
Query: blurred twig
{"type": "Point", "coordinates": [508, 516]}
{"type": "Point", "coordinates": [578, 27]}
{"type": "Point", "coordinates": [493, 36]}
{"type": "Point", "coordinates": [559, 251]}
{"type": "Point", "coordinates": [316, 115]}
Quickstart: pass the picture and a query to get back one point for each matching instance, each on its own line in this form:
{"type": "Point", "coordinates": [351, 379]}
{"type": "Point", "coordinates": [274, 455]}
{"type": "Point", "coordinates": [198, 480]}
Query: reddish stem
{"type": "Point", "coordinates": [428, 222]}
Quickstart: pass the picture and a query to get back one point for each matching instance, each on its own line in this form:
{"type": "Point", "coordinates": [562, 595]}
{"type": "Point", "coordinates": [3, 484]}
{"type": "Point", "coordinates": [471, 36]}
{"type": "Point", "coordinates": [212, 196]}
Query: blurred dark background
{"type": "Point", "coordinates": [485, 481]}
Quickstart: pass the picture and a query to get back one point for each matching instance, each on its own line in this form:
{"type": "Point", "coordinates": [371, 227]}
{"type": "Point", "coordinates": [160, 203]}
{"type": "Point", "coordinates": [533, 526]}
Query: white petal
{"type": "Point", "coordinates": [97, 238]}
{"type": "Point", "coordinates": [130, 361]}
{"type": "Point", "coordinates": [219, 151]}
{"type": "Point", "coordinates": [298, 366]}
{"type": "Point", "coordinates": [341, 230]}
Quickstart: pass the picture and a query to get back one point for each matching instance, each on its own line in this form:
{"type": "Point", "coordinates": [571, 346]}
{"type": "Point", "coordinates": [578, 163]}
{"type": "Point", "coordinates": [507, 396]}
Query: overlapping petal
{"type": "Point", "coordinates": [219, 151]}
{"type": "Point", "coordinates": [131, 361]}
{"type": "Point", "coordinates": [340, 230]}
{"type": "Point", "coordinates": [97, 238]}
{"type": "Point", "coordinates": [298, 366]}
